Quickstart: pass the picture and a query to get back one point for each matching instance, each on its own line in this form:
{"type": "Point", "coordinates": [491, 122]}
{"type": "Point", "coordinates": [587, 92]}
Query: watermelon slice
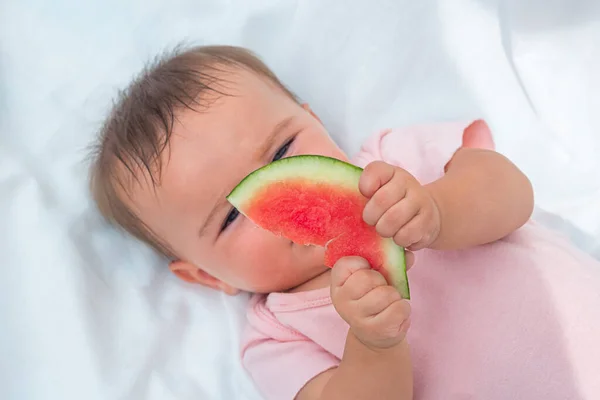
{"type": "Point", "coordinates": [314, 200]}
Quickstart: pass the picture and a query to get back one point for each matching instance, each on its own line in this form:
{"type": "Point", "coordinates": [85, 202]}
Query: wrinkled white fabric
{"type": "Point", "coordinates": [88, 313]}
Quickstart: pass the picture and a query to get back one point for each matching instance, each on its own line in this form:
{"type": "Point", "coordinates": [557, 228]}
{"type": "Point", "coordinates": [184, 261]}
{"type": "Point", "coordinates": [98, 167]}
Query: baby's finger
{"type": "Point", "coordinates": [421, 244]}
{"type": "Point", "coordinates": [393, 320]}
{"type": "Point", "coordinates": [383, 199]}
{"type": "Point", "coordinates": [377, 300]}
{"type": "Point", "coordinates": [411, 233]}
{"type": "Point", "coordinates": [345, 267]}
{"type": "Point", "coordinates": [374, 176]}
{"type": "Point", "coordinates": [362, 282]}
{"type": "Point", "coordinates": [397, 217]}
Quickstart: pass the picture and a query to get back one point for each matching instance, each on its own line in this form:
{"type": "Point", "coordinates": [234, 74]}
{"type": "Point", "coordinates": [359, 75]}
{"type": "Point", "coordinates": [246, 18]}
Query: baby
{"type": "Point", "coordinates": [501, 307]}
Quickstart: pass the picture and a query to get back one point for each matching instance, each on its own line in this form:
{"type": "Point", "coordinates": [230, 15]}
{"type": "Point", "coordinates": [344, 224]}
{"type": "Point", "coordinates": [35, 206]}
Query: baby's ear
{"type": "Point", "coordinates": [190, 273]}
{"type": "Point", "coordinates": [478, 136]}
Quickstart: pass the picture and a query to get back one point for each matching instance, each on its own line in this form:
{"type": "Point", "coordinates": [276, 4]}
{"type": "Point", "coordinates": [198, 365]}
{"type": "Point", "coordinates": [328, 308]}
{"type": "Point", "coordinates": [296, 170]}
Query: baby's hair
{"type": "Point", "coordinates": [139, 126]}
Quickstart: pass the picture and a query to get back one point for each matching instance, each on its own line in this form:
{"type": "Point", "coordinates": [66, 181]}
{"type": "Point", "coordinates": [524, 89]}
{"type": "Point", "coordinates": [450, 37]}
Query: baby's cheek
{"type": "Point", "coordinates": [261, 258]}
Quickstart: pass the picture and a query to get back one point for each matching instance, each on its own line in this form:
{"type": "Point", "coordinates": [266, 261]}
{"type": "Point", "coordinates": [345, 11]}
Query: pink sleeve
{"type": "Point", "coordinates": [280, 369]}
{"type": "Point", "coordinates": [422, 150]}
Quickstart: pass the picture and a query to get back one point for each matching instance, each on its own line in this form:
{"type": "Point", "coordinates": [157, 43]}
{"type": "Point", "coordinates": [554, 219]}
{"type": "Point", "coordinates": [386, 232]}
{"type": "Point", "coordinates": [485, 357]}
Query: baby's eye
{"type": "Point", "coordinates": [233, 214]}
{"type": "Point", "coordinates": [283, 149]}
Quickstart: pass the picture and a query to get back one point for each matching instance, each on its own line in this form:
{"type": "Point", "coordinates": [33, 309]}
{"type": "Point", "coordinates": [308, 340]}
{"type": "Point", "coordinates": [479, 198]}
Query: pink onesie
{"type": "Point", "coordinates": [515, 319]}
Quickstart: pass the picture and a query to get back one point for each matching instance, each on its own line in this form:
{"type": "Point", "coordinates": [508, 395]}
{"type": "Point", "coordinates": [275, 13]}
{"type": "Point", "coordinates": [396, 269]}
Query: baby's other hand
{"type": "Point", "coordinates": [399, 206]}
{"type": "Point", "coordinates": [375, 311]}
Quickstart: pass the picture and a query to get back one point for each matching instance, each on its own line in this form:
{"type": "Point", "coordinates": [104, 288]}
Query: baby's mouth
{"type": "Point", "coordinates": [301, 245]}
{"type": "Point", "coordinates": [306, 248]}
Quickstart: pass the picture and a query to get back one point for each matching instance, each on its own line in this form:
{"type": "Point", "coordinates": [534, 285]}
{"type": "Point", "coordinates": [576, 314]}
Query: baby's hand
{"type": "Point", "coordinates": [375, 311]}
{"type": "Point", "coordinates": [399, 206]}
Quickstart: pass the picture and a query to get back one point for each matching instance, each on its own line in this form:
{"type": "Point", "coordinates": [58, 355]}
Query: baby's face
{"type": "Point", "coordinates": [209, 153]}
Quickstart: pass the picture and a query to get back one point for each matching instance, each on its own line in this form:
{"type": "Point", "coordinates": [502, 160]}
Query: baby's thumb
{"type": "Point", "coordinates": [478, 136]}
{"type": "Point", "coordinates": [345, 267]}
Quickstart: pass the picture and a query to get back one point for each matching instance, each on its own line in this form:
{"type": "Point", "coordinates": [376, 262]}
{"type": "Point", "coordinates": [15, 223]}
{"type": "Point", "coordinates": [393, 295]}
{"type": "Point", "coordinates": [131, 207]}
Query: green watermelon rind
{"type": "Point", "coordinates": [325, 170]}
{"type": "Point", "coordinates": [396, 259]}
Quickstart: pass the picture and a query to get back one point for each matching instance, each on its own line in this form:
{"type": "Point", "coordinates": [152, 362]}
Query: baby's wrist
{"type": "Point", "coordinates": [370, 349]}
{"type": "Point", "coordinates": [377, 346]}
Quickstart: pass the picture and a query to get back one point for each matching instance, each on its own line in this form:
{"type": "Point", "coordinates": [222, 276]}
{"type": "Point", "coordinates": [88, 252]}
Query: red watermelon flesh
{"type": "Point", "coordinates": [314, 200]}
{"type": "Point", "coordinates": [304, 212]}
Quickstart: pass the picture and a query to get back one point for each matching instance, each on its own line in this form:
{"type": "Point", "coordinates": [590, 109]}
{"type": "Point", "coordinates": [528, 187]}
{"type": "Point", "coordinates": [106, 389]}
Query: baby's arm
{"type": "Point", "coordinates": [376, 362]}
{"type": "Point", "coordinates": [481, 198]}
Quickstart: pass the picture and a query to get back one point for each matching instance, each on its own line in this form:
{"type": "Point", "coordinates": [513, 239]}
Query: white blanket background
{"type": "Point", "coordinates": [87, 313]}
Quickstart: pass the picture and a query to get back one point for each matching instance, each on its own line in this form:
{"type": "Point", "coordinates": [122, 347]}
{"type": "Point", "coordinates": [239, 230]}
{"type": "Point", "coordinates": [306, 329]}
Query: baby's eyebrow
{"type": "Point", "coordinates": [266, 146]}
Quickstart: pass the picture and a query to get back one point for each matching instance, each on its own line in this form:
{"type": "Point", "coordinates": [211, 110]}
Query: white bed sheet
{"type": "Point", "coordinates": [88, 313]}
